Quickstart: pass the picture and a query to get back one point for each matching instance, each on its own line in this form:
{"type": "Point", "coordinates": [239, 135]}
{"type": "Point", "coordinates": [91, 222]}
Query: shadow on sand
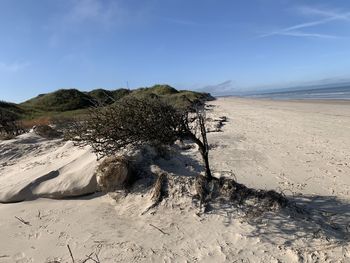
{"type": "Point", "coordinates": [311, 218]}
{"type": "Point", "coordinates": [314, 218]}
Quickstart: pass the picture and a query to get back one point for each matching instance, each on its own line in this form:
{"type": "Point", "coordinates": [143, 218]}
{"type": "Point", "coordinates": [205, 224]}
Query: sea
{"type": "Point", "coordinates": [334, 93]}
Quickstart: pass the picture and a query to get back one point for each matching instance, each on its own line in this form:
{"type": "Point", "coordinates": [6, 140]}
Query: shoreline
{"type": "Point", "coordinates": [308, 100]}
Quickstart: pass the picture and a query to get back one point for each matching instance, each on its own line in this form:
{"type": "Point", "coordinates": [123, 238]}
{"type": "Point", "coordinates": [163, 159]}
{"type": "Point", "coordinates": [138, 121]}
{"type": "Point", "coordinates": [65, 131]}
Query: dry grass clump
{"type": "Point", "coordinates": [240, 193]}
{"type": "Point", "coordinates": [28, 124]}
{"type": "Point", "coordinates": [227, 190]}
{"type": "Point", "coordinates": [114, 173]}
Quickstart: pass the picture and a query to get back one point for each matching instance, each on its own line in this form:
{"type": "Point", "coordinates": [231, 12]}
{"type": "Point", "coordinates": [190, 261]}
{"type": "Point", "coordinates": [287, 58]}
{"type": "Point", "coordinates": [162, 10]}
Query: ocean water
{"type": "Point", "coordinates": [338, 93]}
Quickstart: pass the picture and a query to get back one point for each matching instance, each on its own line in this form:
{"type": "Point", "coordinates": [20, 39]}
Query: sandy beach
{"type": "Point", "coordinates": [300, 148]}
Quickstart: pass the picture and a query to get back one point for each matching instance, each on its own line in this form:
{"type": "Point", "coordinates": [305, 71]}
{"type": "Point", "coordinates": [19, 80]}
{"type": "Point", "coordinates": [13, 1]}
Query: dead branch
{"type": "Point", "coordinates": [71, 254]}
{"type": "Point", "coordinates": [23, 221]}
{"type": "Point", "coordinates": [159, 191]}
{"type": "Point", "coordinates": [201, 186]}
{"type": "Point", "coordinates": [164, 233]}
{"type": "Point", "coordinates": [88, 257]}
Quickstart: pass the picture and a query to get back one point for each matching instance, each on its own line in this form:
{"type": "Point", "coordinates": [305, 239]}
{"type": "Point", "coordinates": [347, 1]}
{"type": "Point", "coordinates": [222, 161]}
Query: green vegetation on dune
{"type": "Point", "coordinates": [60, 100]}
{"type": "Point", "coordinates": [178, 99]}
{"type": "Point", "coordinates": [11, 109]}
{"type": "Point", "coordinates": [160, 90]}
{"type": "Point", "coordinates": [72, 102]}
{"type": "Point", "coordinates": [108, 96]}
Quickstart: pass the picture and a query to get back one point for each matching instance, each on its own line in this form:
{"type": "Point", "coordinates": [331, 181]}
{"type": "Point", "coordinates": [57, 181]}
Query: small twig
{"type": "Point", "coordinates": [4, 256]}
{"type": "Point", "coordinates": [98, 260]}
{"type": "Point", "coordinates": [159, 230]}
{"type": "Point", "coordinates": [23, 221]}
{"type": "Point", "coordinates": [70, 252]}
{"type": "Point", "coordinates": [88, 257]}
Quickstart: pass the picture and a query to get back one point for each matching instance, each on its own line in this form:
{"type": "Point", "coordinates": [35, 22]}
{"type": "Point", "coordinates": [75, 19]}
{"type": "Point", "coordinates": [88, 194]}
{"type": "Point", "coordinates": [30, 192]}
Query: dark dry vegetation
{"type": "Point", "coordinates": [9, 124]}
{"type": "Point", "coordinates": [136, 121]}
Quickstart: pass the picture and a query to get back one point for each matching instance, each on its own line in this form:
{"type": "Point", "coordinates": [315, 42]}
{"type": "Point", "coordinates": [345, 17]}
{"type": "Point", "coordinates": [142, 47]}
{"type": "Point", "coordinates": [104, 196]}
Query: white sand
{"type": "Point", "coordinates": [302, 147]}
{"type": "Point", "coordinates": [32, 167]}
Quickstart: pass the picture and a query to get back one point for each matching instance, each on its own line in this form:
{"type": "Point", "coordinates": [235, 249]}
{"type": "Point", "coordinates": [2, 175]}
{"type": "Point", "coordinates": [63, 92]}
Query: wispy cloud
{"type": "Point", "coordinates": [13, 66]}
{"type": "Point", "coordinates": [296, 30]}
{"type": "Point", "coordinates": [308, 11]}
{"type": "Point", "coordinates": [183, 22]}
{"type": "Point", "coordinates": [304, 34]}
{"type": "Point", "coordinates": [222, 88]}
{"type": "Point", "coordinates": [81, 16]}
{"type": "Point", "coordinates": [104, 13]}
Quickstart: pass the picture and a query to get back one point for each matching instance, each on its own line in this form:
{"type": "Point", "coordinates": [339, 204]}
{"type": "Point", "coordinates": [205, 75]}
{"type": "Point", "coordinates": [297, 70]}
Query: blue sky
{"type": "Point", "coordinates": [218, 46]}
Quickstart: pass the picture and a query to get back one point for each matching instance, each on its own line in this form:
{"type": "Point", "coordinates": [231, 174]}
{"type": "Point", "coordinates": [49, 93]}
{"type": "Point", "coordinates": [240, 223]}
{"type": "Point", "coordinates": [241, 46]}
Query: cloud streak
{"type": "Point", "coordinates": [310, 35]}
{"type": "Point", "coordinates": [296, 30]}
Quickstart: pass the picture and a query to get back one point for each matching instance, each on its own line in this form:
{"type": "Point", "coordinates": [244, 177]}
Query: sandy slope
{"type": "Point", "coordinates": [303, 147]}
{"type": "Point", "coordinates": [31, 167]}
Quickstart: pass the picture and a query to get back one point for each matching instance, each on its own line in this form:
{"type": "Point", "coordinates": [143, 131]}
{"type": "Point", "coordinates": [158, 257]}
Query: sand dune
{"type": "Point", "coordinates": [299, 148]}
{"type": "Point", "coordinates": [33, 167]}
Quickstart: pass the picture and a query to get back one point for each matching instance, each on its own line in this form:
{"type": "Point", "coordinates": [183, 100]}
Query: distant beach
{"type": "Point", "coordinates": [338, 93]}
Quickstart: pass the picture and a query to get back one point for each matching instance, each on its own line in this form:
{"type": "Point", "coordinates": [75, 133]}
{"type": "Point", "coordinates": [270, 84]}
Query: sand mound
{"type": "Point", "coordinates": [113, 173]}
{"type": "Point", "coordinates": [32, 167]}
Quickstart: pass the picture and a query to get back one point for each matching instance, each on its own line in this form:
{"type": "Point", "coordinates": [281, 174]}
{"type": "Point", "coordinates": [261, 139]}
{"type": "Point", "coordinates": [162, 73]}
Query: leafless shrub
{"type": "Point", "coordinates": [9, 126]}
{"type": "Point", "coordinates": [149, 121]}
{"type": "Point", "coordinates": [47, 132]}
{"type": "Point", "coordinates": [138, 121]}
{"type": "Point", "coordinates": [62, 123]}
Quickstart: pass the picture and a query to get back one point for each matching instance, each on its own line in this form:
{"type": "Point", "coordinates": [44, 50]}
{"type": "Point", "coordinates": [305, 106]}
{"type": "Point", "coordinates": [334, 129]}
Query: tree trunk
{"type": "Point", "coordinates": [205, 158]}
